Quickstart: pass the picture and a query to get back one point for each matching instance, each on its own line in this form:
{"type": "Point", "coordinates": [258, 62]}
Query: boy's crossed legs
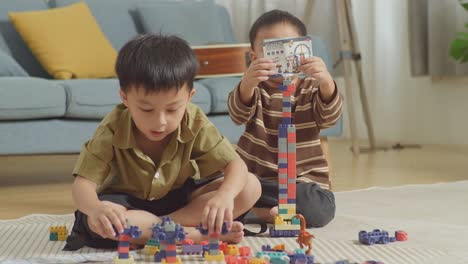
{"type": "Point", "coordinates": [317, 205]}
{"type": "Point", "coordinates": [184, 205]}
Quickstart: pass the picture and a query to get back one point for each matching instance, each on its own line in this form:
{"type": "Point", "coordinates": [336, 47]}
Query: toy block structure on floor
{"type": "Point", "coordinates": [214, 253]}
{"type": "Point", "coordinates": [286, 224]}
{"type": "Point", "coordinates": [123, 247]}
{"type": "Point", "coordinates": [167, 234]}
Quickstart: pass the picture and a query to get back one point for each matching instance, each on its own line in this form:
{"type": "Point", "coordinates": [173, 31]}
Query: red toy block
{"type": "Point", "coordinates": [244, 251]}
{"type": "Point", "coordinates": [230, 259]}
{"type": "Point", "coordinates": [292, 191]}
{"type": "Point", "coordinates": [286, 114]}
{"type": "Point", "coordinates": [123, 249]}
{"type": "Point", "coordinates": [171, 259]}
{"type": "Point", "coordinates": [283, 155]}
{"type": "Point", "coordinates": [283, 201]}
{"type": "Point", "coordinates": [282, 180]}
{"type": "Point", "coordinates": [401, 235]}
{"type": "Point", "coordinates": [171, 247]}
{"type": "Point", "coordinates": [187, 241]}
{"type": "Point", "coordinates": [223, 247]}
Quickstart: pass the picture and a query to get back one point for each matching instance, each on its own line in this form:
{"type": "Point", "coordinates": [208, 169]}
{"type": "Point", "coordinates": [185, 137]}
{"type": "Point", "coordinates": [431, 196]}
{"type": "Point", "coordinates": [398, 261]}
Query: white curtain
{"type": "Point", "coordinates": [318, 15]}
{"type": "Point", "coordinates": [433, 26]}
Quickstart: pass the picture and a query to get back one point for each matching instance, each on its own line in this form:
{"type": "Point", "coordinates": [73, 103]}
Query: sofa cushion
{"type": "Point", "coordinates": [115, 17]}
{"type": "Point", "coordinates": [30, 98]}
{"type": "Point", "coordinates": [91, 98]}
{"type": "Point", "coordinates": [202, 97]}
{"type": "Point", "coordinates": [9, 67]}
{"type": "Point", "coordinates": [11, 42]}
{"type": "Point", "coordinates": [94, 99]}
{"type": "Point", "coordinates": [73, 46]}
{"type": "Point", "coordinates": [197, 22]}
{"type": "Point", "coordinates": [220, 89]}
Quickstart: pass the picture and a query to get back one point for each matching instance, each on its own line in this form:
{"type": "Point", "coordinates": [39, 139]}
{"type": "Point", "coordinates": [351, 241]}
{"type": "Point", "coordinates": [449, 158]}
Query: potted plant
{"type": "Point", "coordinates": [459, 48]}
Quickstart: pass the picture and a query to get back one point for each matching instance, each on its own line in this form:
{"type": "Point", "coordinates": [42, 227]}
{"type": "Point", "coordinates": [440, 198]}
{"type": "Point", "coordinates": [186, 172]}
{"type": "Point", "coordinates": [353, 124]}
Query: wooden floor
{"type": "Point", "coordinates": [41, 184]}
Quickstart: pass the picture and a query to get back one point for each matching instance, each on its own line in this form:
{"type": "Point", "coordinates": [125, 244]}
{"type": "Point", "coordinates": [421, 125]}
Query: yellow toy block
{"type": "Point", "coordinates": [124, 261]}
{"type": "Point", "coordinates": [232, 250]}
{"type": "Point", "coordinates": [279, 220]}
{"type": "Point", "coordinates": [219, 257]}
{"type": "Point", "coordinates": [287, 227]}
{"type": "Point", "coordinates": [287, 206]}
{"type": "Point", "coordinates": [279, 247]}
{"type": "Point", "coordinates": [62, 237]}
{"type": "Point", "coordinates": [257, 261]}
{"type": "Point", "coordinates": [150, 250]}
{"type": "Point", "coordinates": [178, 261]}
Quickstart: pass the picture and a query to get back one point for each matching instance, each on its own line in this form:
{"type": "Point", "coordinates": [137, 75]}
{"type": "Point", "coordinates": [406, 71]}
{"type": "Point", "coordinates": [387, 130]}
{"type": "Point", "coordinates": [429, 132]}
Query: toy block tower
{"type": "Point", "coordinates": [286, 224]}
{"type": "Point", "coordinates": [123, 247]}
{"type": "Point", "coordinates": [214, 253]}
{"type": "Point", "coordinates": [167, 233]}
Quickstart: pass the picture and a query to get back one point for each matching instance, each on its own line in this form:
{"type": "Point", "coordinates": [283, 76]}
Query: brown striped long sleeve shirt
{"type": "Point", "coordinates": [258, 145]}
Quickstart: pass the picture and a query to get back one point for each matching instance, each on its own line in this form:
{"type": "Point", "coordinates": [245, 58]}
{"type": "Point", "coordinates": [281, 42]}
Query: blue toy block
{"type": "Point", "coordinates": [373, 237]}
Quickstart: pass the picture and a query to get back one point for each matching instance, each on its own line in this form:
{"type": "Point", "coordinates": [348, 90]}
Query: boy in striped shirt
{"type": "Point", "coordinates": [257, 103]}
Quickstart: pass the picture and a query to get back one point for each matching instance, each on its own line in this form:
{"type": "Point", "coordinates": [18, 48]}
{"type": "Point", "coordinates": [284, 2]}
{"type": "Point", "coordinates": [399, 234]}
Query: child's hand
{"type": "Point", "coordinates": [258, 71]}
{"type": "Point", "coordinates": [316, 68]}
{"type": "Point", "coordinates": [217, 210]}
{"type": "Point", "coordinates": [101, 219]}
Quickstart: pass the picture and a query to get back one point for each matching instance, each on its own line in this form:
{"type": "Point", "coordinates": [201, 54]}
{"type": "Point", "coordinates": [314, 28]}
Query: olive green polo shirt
{"type": "Point", "coordinates": [112, 160]}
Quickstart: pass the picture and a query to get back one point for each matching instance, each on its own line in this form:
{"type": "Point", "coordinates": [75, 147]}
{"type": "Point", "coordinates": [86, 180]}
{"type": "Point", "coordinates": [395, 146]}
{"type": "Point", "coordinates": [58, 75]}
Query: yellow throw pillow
{"type": "Point", "coordinates": [67, 41]}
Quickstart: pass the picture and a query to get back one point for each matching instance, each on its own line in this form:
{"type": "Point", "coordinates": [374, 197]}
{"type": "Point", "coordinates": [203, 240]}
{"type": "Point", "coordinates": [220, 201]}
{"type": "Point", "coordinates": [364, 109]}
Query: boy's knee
{"type": "Point", "coordinates": [254, 186]}
{"type": "Point", "coordinates": [317, 206]}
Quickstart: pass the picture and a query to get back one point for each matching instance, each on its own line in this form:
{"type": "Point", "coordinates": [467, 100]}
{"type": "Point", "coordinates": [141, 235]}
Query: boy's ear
{"type": "Point", "coordinates": [192, 93]}
{"type": "Point", "coordinates": [123, 96]}
{"type": "Point", "coordinates": [252, 55]}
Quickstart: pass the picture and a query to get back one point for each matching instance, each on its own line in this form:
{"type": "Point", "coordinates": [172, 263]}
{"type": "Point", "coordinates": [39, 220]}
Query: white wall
{"type": "Point", "coordinates": [403, 108]}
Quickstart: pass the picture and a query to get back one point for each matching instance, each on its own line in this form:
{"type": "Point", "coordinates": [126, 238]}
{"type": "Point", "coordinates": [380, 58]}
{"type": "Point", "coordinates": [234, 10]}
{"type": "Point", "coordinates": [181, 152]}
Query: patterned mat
{"type": "Point", "coordinates": [435, 217]}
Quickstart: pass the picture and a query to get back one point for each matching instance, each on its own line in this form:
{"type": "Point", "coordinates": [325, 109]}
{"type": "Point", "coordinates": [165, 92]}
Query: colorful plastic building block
{"type": "Point", "coordinates": [167, 234]}
{"type": "Point", "coordinates": [258, 261]}
{"type": "Point", "coordinates": [192, 249]}
{"type": "Point", "coordinates": [299, 257]}
{"type": "Point", "coordinates": [58, 233]}
{"type": "Point", "coordinates": [213, 253]}
{"type": "Point", "coordinates": [274, 257]}
{"type": "Point", "coordinates": [124, 244]}
{"type": "Point", "coordinates": [244, 251]}
{"type": "Point", "coordinates": [232, 250]}
{"type": "Point", "coordinates": [401, 235]}
{"type": "Point", "coordinates": [375, 236]}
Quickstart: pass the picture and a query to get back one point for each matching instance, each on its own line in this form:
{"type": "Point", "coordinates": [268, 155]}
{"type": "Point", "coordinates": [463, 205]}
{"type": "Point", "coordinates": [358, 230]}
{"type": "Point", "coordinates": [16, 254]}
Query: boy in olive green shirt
{"type": "Point", "coordinates": [158, 155]}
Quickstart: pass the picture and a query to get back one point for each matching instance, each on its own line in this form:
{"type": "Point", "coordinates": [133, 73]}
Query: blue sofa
{"type": "Point", "coordinates": [41, 115]}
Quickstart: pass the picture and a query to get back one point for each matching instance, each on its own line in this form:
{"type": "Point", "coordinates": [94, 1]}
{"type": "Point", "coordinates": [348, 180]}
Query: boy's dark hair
{"type": "Point", "coordinates": [274, 17]}
{"type": "Point", "coordinates": [156, 63]}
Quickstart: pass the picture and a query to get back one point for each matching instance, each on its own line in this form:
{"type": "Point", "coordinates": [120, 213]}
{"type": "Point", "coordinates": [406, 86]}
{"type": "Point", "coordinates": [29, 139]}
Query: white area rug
{"type": "Point", "coordinates": [435, 217]}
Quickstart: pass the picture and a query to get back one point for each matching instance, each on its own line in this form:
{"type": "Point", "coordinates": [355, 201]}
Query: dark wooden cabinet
{"type": "Point", "coordinates": [222, 60]}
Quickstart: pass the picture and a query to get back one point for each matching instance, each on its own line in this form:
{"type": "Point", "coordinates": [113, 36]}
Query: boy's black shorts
{"type": "Point", "coordinates": [81, 235]}
{"type": "Point", "coordinates": [317, 205]}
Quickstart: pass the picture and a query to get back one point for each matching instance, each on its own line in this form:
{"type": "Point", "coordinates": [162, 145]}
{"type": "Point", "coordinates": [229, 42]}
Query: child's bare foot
{"type": "Point", "coordinates": [274, 211]}
{"type": "Point", "coordinates": [235, 235]}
